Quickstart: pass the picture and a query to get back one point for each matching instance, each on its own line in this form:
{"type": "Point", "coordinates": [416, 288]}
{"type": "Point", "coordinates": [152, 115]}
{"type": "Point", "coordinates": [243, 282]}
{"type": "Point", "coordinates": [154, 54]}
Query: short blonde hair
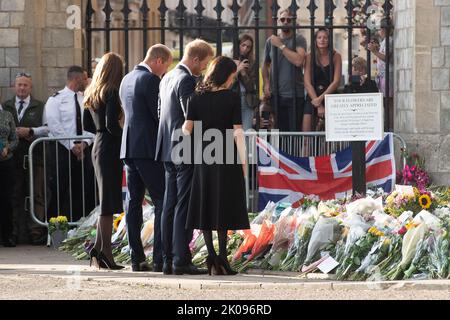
{"type": "Point", "coordinates": [158, 51]}
{"type": "Point", "coordinates": [359, 64]}
{"type": "Point", "coordinates": [198, 49]}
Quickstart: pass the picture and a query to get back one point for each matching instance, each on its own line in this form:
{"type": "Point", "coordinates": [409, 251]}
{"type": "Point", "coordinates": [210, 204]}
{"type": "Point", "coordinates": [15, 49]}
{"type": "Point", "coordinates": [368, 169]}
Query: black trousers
{"type": "Point", "coordinates": [144, 174]}
{"type": "Point", "coordinates": [175, 236]}
{"type": "Point", "coordinates": [6, 198]}
{"type": "Point", "coordinates": [66, 184]}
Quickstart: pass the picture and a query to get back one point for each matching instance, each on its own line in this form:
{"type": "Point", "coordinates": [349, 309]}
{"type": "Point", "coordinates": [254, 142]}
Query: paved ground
{"type": "Point", "coordinates": [43, 273]}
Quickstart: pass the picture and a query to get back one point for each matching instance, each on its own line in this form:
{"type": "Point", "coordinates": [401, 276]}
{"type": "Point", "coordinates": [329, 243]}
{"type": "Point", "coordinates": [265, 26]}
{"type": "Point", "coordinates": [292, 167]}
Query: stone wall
{"type": "Point", "coordinates": [35, 39]}
{"type": "Point", "coordinates": [422, 81]}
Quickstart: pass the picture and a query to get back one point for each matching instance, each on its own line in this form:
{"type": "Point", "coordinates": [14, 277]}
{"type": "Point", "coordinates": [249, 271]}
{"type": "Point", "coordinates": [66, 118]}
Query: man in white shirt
{"type": "Point", "coordinates": [28, 114]}
{"type": "Point", "coordinates": [64, 119]}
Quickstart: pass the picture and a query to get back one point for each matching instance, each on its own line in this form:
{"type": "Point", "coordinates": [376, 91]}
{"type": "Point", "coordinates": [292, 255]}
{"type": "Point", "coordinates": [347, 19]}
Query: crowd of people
{"type": "Point", "coordinates": [131, 120]}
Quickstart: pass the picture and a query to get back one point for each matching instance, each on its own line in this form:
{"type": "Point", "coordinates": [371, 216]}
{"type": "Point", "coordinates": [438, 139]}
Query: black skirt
{"type": "Point", "coordinates": [217, 199]}
{"type": "Point", "coordinates": [108, 171]}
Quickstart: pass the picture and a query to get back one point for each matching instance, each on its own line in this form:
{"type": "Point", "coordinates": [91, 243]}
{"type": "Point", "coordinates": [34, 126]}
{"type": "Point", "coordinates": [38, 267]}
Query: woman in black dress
{"type": "Point", "coordinates": [217, 199]}
{"type": "Point", "coordinates": [102, 116]}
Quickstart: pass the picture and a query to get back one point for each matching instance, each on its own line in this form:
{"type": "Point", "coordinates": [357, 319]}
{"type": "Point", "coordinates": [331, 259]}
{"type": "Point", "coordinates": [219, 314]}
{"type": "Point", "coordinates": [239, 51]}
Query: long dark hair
{"type": "Point", "coordinates": [107, 77]}
{"type": "Point", "coordinates": [316, 49]}
{"type": "Point", "coordinates": [217, 74]}
{"type": "Point", "coordinates": [237, 51]}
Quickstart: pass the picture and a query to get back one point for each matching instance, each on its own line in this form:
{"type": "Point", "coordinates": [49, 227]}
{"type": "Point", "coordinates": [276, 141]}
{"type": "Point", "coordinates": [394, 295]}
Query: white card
{"type": "Point", "coordinates": [327, 265]}
{"type": "Point", "coordinates": [405, 190]}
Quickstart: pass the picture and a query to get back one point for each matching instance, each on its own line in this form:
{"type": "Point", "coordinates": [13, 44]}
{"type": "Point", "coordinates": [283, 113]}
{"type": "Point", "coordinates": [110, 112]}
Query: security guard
{"type": "Point", "coordinates": [64, 118]}
{"type": "Point", "coordinates": [28, 117]}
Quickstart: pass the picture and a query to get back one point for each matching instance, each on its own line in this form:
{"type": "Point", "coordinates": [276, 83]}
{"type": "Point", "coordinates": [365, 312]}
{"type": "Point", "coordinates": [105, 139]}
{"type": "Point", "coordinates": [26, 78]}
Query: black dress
{"type": "Point", "coordinates": [217, 200]}
{"type": "Point", "coordinates": [104, 121]}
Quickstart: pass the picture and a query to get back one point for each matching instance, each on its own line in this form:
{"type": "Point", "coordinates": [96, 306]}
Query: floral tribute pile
{"type": "Point", "coordinates": [401, 235]}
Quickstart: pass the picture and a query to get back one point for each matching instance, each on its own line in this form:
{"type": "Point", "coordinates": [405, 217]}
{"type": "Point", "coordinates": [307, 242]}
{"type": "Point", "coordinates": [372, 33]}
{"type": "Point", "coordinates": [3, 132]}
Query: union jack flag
{"type": "Point", "coordinates": [284, 178]}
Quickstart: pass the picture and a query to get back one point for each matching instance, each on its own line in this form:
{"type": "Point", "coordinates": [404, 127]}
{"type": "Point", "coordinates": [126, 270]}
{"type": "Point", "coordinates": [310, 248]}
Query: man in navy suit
{"type": "Point", "coordinates": [139, 96]}
{"type": "Point", "coordinates": [175, 89]}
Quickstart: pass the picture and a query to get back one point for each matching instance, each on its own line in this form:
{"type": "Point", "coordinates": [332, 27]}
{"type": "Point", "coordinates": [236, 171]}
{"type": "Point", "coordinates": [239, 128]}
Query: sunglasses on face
{"type": "Point", "coordinates": [23, 74]}
{"type": "Point", "coordinates": [287, 20]}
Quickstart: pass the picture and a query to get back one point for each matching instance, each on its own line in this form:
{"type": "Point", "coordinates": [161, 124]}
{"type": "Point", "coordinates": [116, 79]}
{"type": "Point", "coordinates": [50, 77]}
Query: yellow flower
{"type": "Point", "coordinates": [118, 220]}
{"type": "Point", "coordinates": [410, 225]}
{"type": "Point", "coordinates": [425, 201]}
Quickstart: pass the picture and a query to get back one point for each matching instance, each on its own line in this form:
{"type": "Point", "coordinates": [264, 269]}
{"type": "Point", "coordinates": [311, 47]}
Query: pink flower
{"type": "Point", "coordinates": [402, 230]}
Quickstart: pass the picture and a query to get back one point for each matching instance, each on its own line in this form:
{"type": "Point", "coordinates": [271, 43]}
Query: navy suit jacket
{"type": "Point", "coordinates": [139, 96]}
{"type": "Point", "coordinates": [175, 89]}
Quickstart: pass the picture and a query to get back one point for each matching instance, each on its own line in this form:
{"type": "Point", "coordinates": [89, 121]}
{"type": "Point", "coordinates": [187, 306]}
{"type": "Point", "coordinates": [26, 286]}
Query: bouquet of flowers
{"type": "Point", "coordinates": [414, 172]}
{"type": "Point", "coordinates": [58, 223]}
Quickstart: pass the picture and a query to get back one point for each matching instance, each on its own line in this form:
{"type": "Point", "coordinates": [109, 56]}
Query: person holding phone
{"type": "Point", "coordinates": [245, 85]}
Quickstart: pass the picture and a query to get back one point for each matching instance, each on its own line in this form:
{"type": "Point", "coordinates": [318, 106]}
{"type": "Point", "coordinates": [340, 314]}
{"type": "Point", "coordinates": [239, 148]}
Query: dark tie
{"type": "Point", "coordinates": [20, 107]}
{"type": "Point", "coordinates": [78, 119]}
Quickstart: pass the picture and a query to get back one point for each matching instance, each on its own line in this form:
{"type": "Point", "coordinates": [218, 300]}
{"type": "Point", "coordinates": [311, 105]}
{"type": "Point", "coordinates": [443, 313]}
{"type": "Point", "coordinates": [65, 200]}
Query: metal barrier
{"type": "Point", "coordinates": [298, 144]}
{"type": "Point", "coordinates": [55, 169]}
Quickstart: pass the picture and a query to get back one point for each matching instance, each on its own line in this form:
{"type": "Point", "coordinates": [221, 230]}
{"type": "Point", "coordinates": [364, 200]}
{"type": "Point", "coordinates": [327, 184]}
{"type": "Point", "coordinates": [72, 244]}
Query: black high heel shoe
{"type": "Point", "coordinates": [108, 264]}
{"type": "Point", "coordinates": [94, 259]}
{"type": "Point", "coordinates": [224, 267]}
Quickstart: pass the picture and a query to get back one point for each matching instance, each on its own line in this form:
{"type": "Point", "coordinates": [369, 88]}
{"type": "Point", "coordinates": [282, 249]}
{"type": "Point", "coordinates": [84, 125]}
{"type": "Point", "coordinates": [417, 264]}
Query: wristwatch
{"type": "Point", "coordinates": [282, 47]}
{"type": "Point", "coordinates": [31, 132]}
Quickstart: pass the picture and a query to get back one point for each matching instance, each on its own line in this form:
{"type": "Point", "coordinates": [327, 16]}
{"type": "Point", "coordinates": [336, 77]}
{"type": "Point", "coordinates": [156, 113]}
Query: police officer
{"type": "Point", "coordinates": [28, 117]}
{"type": "Point", "coordinates": [63, 112]}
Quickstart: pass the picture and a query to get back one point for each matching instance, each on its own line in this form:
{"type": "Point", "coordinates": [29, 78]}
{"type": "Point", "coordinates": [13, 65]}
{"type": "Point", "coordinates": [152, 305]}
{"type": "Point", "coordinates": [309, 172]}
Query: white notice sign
{"type": "Point", "coordinates": [354, 117]}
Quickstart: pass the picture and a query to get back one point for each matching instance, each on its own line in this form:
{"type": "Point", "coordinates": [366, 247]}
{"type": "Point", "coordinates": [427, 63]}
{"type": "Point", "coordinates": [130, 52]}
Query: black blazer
{"type": "Point", "coordinates": [175, 89]}
{"type": "Point", "coordinates": [139, 96]}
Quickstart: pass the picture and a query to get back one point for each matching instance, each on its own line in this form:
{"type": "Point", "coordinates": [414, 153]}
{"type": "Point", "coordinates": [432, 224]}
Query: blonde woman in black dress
{"type": "Point", "coordinates": [102, 116]}
{"type": "Point", "coordinates": [217, 199]}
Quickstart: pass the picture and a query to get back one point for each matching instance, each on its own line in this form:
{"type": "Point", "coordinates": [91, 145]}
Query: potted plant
{"type": "Point", "coordinates": [57, 228]}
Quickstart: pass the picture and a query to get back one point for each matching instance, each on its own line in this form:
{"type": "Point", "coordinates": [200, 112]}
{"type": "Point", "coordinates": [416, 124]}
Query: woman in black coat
{"type": "Point", "coordinates": [102, 116]}
{"type": "Point", "coordinates": [217, 199]}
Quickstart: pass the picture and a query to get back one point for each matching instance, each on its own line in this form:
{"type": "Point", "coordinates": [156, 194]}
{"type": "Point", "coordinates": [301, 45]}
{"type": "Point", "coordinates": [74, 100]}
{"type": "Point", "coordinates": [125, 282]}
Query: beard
{"type": "Point", "coordinates": [286, 30]}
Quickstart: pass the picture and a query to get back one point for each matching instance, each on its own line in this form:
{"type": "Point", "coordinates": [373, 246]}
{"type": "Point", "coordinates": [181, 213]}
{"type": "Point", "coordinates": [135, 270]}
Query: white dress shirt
{"type": "Point", "coordinates": [60, 116]}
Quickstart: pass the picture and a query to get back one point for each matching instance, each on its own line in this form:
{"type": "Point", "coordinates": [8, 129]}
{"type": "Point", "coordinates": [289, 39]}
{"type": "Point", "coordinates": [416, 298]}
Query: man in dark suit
{"type": "Point", "coordinates": [176, 87]}
{"type": "Point", "coordinates": [28, 115]}
{"type": "Point", "coordinates": [139, 95]}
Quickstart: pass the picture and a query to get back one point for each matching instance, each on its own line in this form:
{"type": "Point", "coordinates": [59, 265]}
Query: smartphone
{"type": "Point", "coordinates": [265, 115]}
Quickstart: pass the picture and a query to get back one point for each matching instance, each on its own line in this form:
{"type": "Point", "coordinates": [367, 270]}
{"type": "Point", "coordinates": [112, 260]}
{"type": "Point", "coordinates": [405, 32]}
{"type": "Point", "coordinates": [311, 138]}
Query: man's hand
{"type": "Point", "coordinates": [76, 150]}
{"type": "Point", "coordinates": [22, 132]}
{"type": "Point", "coordinates": [276, 41]}
{"type": "Point", "coordinates": [373, 47]}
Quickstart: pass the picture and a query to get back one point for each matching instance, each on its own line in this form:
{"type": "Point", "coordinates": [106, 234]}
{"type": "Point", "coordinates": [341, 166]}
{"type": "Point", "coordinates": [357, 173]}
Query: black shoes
{"type": "Point", "coordinates": [101, 261]}
{"type": "Point", "coordinates": [9, 243]}
{"type": "Point", "coordinates": [167, 268]}
{"type": "Point", "coordinates": [189, 269]}
{"type": "Point", "coordinates": [111, 265]}
{"type": "Point", "coordinates": [157, 267]}
{"type": "Point", "coordinates": [224, 267]}
{"type": "Point", "coordinates": [141, 267]}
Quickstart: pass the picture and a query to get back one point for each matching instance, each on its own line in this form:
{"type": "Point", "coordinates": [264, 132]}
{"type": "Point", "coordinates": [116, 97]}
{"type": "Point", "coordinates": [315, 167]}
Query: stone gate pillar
{"type": "Point", "coordinates": [422, 81]}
